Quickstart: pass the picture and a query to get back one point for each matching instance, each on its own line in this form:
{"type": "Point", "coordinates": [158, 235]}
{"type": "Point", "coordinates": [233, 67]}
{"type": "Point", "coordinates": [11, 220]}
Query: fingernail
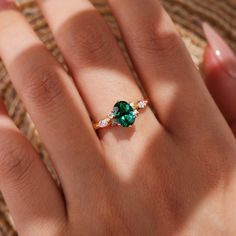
{"type": "Point", "coordinates": [6, 3]}
{"type": "Point", "coordinates": [222, 51]}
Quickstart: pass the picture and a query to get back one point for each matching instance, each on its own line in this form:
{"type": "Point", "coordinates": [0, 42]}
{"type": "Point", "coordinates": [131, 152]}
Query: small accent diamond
{"type": "Point", "coordinates": [103, 123]}
{"type": "Point", "coordinates": [142, 104]}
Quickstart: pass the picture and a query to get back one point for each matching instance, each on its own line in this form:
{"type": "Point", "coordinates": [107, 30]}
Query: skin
{"type": "Point", "coordinates": [173, 173]}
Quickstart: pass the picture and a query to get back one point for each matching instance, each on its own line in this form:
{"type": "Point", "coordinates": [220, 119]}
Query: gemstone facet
{"type": "Point", "coordinates": [124, 114]}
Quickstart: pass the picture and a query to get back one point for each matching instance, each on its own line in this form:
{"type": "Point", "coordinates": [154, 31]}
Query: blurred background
{"type": "Point", "coordinates": [187, 15]}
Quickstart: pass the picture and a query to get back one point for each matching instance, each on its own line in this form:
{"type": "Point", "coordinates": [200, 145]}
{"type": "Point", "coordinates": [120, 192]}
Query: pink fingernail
{"type": "Point", "coordinates": [6, 3]}
{"type": "Point", "coordinates": [222, 51]}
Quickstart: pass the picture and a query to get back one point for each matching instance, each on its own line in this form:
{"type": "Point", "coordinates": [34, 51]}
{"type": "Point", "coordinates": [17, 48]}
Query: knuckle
{"type": "Point", "coordinates": [90, 42]}
{"type": "Point", "coordinates": [15, 161]}
{"type": "Point", "coordinates": [156, 41]}
{"type": "Point", "coordinates": [41, 86]}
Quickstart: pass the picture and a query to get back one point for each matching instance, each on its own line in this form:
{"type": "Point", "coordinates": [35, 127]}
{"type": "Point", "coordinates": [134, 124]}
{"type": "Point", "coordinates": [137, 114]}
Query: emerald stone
{"type": "Point", "coordinates": [124, 114]}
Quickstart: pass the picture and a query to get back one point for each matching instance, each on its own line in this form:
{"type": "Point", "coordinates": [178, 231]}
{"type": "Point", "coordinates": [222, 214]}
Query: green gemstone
{"type": "Point", "coordinates": [124, 114]}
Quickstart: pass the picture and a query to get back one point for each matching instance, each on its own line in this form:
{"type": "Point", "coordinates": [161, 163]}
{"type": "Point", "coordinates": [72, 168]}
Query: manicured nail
{"type": "Point", "coordinates": [222, 51]}
{"type": "Point", "coordinates": [6, 3]}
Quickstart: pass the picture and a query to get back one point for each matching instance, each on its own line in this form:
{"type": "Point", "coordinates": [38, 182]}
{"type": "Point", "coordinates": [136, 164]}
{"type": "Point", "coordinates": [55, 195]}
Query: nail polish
{"type": "Point", "coordinates": [6, 3]}
{"type": "Point", "coordinates": [222, 51]}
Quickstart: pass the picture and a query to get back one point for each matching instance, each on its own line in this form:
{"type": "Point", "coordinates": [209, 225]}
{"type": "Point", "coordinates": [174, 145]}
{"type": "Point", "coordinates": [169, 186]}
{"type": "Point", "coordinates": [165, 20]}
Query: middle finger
{"type": "Point", "coordinates": [51, 99]}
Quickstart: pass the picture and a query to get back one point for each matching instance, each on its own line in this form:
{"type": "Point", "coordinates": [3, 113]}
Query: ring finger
{"type": "Point", "coordinates": [100, 72]}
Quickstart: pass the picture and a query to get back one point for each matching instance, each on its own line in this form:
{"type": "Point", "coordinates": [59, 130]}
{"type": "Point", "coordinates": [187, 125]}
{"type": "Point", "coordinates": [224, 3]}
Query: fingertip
{"type": "Point", "coordinates": [221, 50]}
{"type": "Point", "coordinates": [220, 84]}
{"type": "Point", "coordinates": [211, 65]}
{"type": "Point", "coordinates": [6, 4]}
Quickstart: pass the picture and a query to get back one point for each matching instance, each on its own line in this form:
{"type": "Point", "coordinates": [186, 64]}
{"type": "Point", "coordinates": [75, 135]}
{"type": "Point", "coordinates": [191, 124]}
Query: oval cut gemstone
{"type": "Point", "coordinates": [124, 114]}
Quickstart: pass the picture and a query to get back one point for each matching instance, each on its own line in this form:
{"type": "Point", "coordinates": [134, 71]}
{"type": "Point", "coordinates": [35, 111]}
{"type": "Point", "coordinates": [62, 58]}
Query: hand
{"type": "Point", "coordinates": [172, 173]}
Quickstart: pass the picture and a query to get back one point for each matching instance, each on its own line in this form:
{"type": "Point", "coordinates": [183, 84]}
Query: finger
{"type": "Point", "coordinates": [220, 75]}
{"type": "Point", "coordinates": [162, 61]}
{"type": "Point", "coordinates": [51, 99]}
{"type": "Point", "coordinates": [92, 54]}
{"type": "Point", "coordinates": [99, 69]}
{"type": "Point", "coordinates": [21, 176]}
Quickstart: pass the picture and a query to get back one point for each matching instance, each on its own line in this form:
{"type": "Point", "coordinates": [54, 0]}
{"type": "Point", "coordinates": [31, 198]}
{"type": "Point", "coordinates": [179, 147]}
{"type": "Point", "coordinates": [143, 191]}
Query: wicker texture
{"type": "Point", "coordinates": [187, 14]}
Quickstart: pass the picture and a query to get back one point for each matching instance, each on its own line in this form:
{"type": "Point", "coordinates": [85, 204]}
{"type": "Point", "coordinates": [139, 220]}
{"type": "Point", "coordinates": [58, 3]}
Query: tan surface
{"type": "Point", "coordinates": [187, 14]}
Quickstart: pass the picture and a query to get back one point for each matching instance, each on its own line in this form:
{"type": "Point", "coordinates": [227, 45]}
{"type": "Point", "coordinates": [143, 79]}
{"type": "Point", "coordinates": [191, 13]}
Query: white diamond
{"type": "Point", "coordinates": [142, 104]}
{"type": "Point", "coordinates": [103, 123]}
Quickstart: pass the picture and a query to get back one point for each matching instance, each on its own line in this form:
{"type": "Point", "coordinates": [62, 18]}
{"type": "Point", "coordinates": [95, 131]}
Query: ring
{"type": "Point", "coordinates": [124, 114]}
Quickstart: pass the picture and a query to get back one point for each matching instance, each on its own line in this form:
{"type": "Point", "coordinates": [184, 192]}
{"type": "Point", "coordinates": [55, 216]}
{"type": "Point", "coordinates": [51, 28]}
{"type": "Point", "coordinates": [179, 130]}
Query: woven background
{"type": "Point", "coordinates": [187, 14]}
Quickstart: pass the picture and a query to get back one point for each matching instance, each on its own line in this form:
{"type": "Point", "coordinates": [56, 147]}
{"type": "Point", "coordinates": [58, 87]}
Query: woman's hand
{"type": "Point", "coordinates": [172, 173]}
